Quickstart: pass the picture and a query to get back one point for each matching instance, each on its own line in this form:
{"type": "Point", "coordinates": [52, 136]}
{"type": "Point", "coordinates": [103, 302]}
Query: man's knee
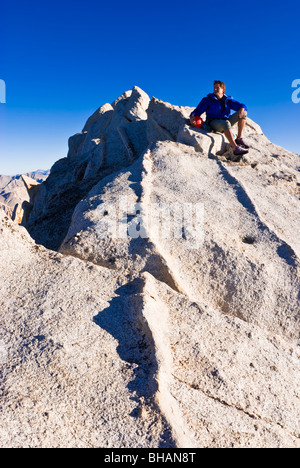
{"type": "Point", "coordinates": [227, 125]}
{"type": "Point", "coordinates": [220, 125]}
{"type": "Point", "coordinates": [235, 118]}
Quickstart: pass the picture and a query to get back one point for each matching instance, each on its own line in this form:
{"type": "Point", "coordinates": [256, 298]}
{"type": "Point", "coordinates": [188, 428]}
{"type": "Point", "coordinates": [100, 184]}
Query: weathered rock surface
{"type": "Point", "coordinates": [63, 382]}
{"type": "Point", "coordinates": [170, 315]}
{"type": "Point", "coordinates": [18, 192]}
{"type": "Point", "coordinates": [112, 138]}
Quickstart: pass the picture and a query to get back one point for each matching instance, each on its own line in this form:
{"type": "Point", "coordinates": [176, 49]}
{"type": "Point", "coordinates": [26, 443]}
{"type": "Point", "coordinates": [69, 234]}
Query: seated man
{"type": "Point", "coordinates": [218, 107]}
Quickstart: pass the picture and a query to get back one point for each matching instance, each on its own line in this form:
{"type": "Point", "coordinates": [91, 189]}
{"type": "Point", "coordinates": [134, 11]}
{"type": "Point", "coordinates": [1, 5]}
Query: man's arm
{"type": "Point", "coordinates": [200, 109]}
{"type": "Point", "coordinates": [237, 106]}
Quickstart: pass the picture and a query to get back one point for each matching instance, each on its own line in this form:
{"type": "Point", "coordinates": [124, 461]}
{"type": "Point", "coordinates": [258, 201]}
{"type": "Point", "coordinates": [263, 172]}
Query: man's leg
{"type": "Point", "coordinates": [224, 126]}
{"type": "Point", "coordinates": [233, 119]}
{"type": "Point", "coordinates": [229, 136]}
{"type": "Point", "coordinates": [241, 126]}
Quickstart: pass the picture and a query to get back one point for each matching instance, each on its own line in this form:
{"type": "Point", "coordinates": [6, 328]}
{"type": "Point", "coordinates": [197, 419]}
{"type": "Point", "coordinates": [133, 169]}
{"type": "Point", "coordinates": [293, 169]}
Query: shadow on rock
{"type": "Point", "coordinates": [123, 320]}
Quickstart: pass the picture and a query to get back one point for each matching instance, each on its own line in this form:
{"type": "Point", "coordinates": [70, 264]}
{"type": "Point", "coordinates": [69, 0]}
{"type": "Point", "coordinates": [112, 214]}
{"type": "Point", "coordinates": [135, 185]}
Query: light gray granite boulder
{"type": "Point", "coordinates": [168, 314]}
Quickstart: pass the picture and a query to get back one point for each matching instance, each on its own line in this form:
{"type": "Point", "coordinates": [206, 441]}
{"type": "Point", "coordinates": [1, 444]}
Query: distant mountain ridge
{"type": "Point", "coordinates": [39, 175]}
{"type": "Point", "coordinates": [14, 193]}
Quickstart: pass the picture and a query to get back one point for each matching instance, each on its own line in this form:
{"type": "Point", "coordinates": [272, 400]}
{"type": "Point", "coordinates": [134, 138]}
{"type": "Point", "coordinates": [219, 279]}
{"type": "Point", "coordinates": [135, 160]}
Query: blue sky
{"type": "Point", "coordinates": [61, 60]}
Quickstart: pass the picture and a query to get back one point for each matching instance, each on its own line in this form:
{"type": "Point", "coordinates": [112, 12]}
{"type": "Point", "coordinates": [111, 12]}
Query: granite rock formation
{"type": "Point", "coordinates": [154, 299]}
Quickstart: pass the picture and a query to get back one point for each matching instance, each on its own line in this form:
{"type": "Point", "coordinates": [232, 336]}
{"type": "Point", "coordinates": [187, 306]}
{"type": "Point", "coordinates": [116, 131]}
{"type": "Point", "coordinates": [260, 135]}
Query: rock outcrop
{"type": "Point", "coordinates": [167, 312]}
{"type": "Point", "coordinates": [112, 138]}
{"type": "Point", "coordinates": [17, 194]}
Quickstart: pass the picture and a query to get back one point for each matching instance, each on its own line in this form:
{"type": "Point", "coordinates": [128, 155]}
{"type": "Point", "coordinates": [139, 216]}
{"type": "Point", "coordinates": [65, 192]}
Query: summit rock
{"type": "Point", "coordinates": [153, 299]}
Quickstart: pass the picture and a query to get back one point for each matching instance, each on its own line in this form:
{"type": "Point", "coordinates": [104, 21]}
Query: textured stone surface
{"type": "Point", "coordinates": [17, 194]}
{"type": "Point", "coordinates": [68, 377]}
{"type": "Point", "coordinates": [170, 315]}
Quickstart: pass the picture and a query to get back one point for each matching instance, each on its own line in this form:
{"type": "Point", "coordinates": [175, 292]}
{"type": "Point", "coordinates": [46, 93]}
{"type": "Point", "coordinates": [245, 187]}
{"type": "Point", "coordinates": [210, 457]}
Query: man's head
{"type": "Point", "coordinates": [219, 89]}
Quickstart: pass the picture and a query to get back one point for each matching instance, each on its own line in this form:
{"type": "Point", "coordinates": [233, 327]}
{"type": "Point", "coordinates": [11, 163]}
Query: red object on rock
{"type": "Point", "coordinates": [198, 122]}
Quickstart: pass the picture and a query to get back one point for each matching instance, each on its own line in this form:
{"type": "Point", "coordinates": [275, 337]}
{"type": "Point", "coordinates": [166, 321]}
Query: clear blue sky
{"type": "Point", "coordinates": [61, 60]}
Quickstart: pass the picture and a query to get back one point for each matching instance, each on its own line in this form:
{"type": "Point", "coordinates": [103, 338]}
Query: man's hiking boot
{"type": "Point", "coordinates": [240, 142]}
{"type": "Point", "coordinates": [238, 153]}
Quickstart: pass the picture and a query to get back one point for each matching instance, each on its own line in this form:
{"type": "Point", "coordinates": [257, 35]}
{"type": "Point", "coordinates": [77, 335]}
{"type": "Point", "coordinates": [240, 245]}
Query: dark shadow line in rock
{"type": "Point", "coordinates": [284, 251]}
{"type": "Point", "coordinates": [123, 320]}
{"type": "Point", "coordinates": [240, 192]}
{"type": "Point", "coordinates": [210, 154]}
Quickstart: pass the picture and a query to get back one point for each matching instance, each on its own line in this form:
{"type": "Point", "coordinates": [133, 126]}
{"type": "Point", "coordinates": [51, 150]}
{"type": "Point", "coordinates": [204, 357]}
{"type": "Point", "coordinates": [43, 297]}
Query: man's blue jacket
{"type": "Point", "coordinates": [214, 108]}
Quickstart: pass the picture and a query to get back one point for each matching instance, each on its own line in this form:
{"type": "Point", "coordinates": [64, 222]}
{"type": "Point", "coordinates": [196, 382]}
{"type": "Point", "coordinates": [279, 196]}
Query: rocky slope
{"type": "Point", "coordinates": [167, 312]}
{"type": "Point", "coordinates": [17, 193]}
{"type": "Point", "coordinates": [39, 175]}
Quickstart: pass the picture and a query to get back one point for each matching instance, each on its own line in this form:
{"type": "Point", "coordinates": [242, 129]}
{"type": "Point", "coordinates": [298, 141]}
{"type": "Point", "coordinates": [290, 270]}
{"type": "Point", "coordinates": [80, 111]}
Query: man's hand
{"type": "Point", "coordinates": [193, 120]}
{"type": "Point", "coordinates": [241, 113]}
